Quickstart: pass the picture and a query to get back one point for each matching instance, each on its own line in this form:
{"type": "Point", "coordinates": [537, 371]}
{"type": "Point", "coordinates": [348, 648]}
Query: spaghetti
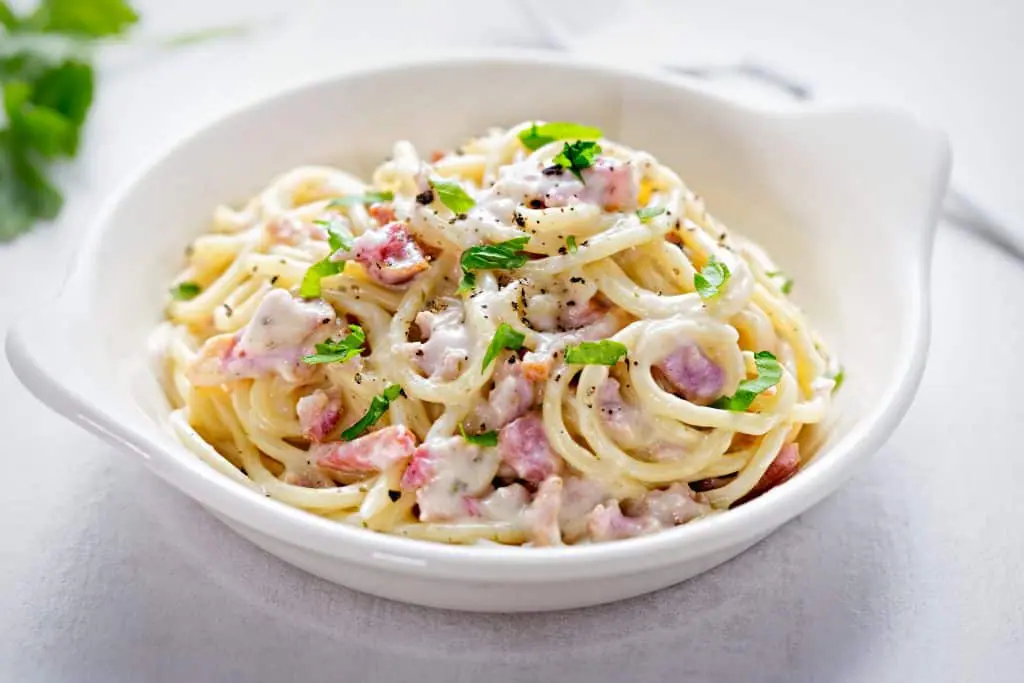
{"type": "Point", "coordinates": [539, 338]}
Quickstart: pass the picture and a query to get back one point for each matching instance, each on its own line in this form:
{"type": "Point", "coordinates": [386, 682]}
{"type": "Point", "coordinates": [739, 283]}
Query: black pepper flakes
{"type": "Point", "coordinates": [274, 279]}
{"type": "Point", "coordinates": [536, 204]}
{"type": "Point", "coordinates": [425, 197]}
{"type": "Point", "coordinates": [519, 219]}
{"type": "Point", "coordinates": [228, 311]}
{"type": "Point", "coordinates": [394, 495]}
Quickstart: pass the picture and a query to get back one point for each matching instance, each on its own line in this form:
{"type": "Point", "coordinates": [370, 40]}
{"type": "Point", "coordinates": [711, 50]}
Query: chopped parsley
{"type": "Point", "coordinates": [570, 243]}
{"type": "Point", "coordinates": [605, 352]}
{"type": "Point", "coordinates": [310, 287]}
{"type": "Point", "coordinates": [339, 351]}
{"type": "Point", "coordinates": [505, 255]}
{"type": "Point", "coordinates": [709, 281]}
{"type": "Point", "coordinates": [452, 195]}
{"type": "Point", "coordinates": [839, 378]}
{"type": "Point", "coordinates": [769, 372]}
{"type": "Point", "coordinates": [577, 156]}
{"type": "Point", "coordinates": [485, 439]}
{"type": "Point", "coordinates": [787, 282]}
{"type": "Point", "coordinates": [648, 212]}
{"type": "Point", "coordinates": [373, 197]}
{"type": "Point", "coordinates": [505, 337]}
{"type": "Point", "coordinates": [378, 406]}
{"type": "Point", "coordinates": [184, 291]}
{"type": "Point", "coordinates": [536, 136]}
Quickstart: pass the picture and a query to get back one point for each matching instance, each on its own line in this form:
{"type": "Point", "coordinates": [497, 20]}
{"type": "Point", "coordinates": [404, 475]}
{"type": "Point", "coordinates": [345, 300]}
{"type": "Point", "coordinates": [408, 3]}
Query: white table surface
{"type": "Point", "coordinates": [914, 571]}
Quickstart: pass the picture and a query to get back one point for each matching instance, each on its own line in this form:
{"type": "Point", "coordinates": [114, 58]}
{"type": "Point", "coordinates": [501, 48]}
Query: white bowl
{"type": "Point", "coordinates": [845, 199]}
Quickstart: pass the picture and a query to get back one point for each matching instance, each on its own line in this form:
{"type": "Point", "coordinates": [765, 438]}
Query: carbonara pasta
{"type": "Point", "coordinates": [539, 338]}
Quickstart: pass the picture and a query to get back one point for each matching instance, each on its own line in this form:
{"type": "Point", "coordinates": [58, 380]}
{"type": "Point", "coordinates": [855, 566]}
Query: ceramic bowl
{"type": "Point", "coordinates": [844, 198]}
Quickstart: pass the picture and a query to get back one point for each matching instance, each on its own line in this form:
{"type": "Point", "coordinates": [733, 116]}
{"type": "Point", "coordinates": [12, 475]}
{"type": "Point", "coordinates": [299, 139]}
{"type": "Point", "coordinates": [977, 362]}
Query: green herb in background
{"type": "Point", "coordinates": [46, 101]}
{"type": "Point", "coordinates": [185, 291]}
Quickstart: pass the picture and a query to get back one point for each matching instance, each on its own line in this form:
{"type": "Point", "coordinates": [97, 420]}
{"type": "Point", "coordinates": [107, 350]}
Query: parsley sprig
{"type": "Point", "coordinates": [484, 439]}
{"type": "Point", "coordinates": [536, 136]}
{"type": "Point", "coordinates": [506, 255]}
{"type": "Point", "coordinates": [605, 352]}
{"type": "Point", "coordinates": [505, 337]}
{"type": "Point", "coordinates": [769, 372]}
{"type": "Point", "coordinates": [577, 156]}
{"type": "Point", "coordinates": [310, 287]}
{"type": "Point", "coordinates": [338, 351]}
{"type": "Point", "coordinates": [378, 406]}
{"type": "Point", "coordinates": [710, 280]}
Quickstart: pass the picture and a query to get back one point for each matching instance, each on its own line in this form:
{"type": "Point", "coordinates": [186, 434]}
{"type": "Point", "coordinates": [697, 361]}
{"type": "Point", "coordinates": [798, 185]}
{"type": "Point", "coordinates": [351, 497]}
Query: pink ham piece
{"type": "Point", "coordinates": [281, 331]}
{"type": "Point", "coordinates": [389, 254]}
{"type": "Point", "coordinates": [542, 516]}
{"type": "Point", "coordinates": [695, 376]}
{"type": "Point", "coordinates": [318, 413]}
{"type": "Point", "coordinates": [524, 447]}
{"type": "Point", "coordinates": [373, 452]}
{"type": "Point", "coordinates": [611, 184]}
{"type": "Point", "coordinates": [607, 523]}
{"type": "Point", "coordinates": [625, 421]}
{"type": "Point", "coordinates": [669, 507]}
{"type": "Point", "coordinates": [511, 396]}
{"type": "Point", "coordinates": [783, 467]}
{"type": "Point", "coordinates": [293, 231]}
{"type": "Point", "coordinates": [449, 476]}
{"type": "Point", "coordinates": [447, 342]}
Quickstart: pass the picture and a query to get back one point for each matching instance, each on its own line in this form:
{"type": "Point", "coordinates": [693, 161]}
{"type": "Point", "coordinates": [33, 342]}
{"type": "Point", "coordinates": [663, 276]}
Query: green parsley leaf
{"type": "Point", "coordinates": [185, 291]}
{"type": "Point", "coordinates": [570, 243]}
{"type": "Point", "coordinates": [506, 255]}
{"type": "Point", "coordinates": [787, 282]}
{"type": "Point", "coordinates": [536, 136]}
{"type": "Point", "coordinates": [708, 282]}
{"type": "Point", "coordinates": [505, 337]}
{"type": "Point", "coordinates": [378, 406]}
{"type": "Point", "coordinates": [577, 156]}
{"type": "Point", "coordinates": [367, 198]}
{"type": "Point", "coordinates": [839, 378]}
{"type": "Point", "coordinates": [337, 241]}
{"type": "Point", "coordinates": [452, 195]}
{"type": "Point", "coordinates": [88, 18]}
{"type": "Point", "coordinates": [649, 212]}
{"type": "Point", "coordinates": [769, 372]}
{"type": "Point", "coordinates": [605, 352]}
{"type": "Point", "coordinates": [25, 193]}
{"type": "Point", "coordinates": [339, 351]}
{"type": "Point", "coordinates": [7, 18]}
{"type": "Point", "coordinates": [485, 439]}
{"type": "Point", "coordinates": [310, 287]}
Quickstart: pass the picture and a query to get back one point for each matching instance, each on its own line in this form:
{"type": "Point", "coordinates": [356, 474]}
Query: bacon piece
{"type": "Point", "coordinates": [693, 374]}
{"type": "Point", "coordinates": [382, 213]}
{"type": "Point", "coordinates": [625, 421]}
{"type": "Point", "coordinates": [542, 516]}
{"type": "Point", "coordinates": [511, 396]}
{"type": "Point", "coordinates": [607, 523]}
{"type": "Point", "coordinates": [292, 231]}
{"type": "Point", "coordinates": [783, 467]}
{"type": "Point", "coordinates": [319, 413]}
{"type": "Point", "coordinates": [448, 476]}
{"type": "Point", "coordinates": [447, 343]}
{"type": "Point", "coordinates": [524, 447]}
{"type": "Point", "coordinates": [373, 452]}
{"type": "Point", "coordinates": [579, 497]}
{"type": "Point", "coordinates": [536, 366]}
{"type": "Point", "coordinates": [281, 331]}
{"type": "Point", "coordinates": [611, 184]}
{"type": "Point", "coordinates": [389, 254]}
{"type": "Point", "coordinates": [669, 507]}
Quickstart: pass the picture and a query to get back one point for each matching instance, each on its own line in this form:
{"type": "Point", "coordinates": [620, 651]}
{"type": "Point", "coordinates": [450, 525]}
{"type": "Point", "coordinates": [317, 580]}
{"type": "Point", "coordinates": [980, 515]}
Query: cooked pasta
{"type": "Point", "coordinates": [539, 338]}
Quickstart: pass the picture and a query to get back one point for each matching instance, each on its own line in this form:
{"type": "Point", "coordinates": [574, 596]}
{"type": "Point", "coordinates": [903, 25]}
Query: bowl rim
{"type": "Point", "coordinates": [508, 563]}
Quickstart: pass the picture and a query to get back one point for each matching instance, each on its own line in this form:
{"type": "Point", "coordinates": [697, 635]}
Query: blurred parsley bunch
{"type": "Point", "coordinates": [47, 82]}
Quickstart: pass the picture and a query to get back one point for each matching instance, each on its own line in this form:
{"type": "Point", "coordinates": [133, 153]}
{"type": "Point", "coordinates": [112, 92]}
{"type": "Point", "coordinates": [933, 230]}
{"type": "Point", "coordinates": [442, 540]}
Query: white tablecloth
{"type": "Point", "coordinates": [912, 572]}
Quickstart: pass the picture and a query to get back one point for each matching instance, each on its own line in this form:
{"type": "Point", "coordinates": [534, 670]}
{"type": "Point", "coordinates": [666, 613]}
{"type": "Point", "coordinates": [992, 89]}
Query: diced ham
{"type": "Point", "coordinates": [506, 504]}
{"type": "Point", "coordinates": [624, 421]}
{"type": "Point", "coordinates": [447, 342]}
{"type": "Point", "coordinates": [607, 523]}
{"type": "Point", "coordinates": [695, 376]}
{"type": "Point", "coordinates": [382, 213]}
{"type": "Point", "coordinates": [541, 517]}
{"type": "Point", "coordinates": [579, 497]}
{"type": "Point", "coordinates": [389, 254]}
{"type": "Point", "coordinates": [448, 476]}
{"type": "Point", "coordinates": [373, 452]}
{"type": "Point", "coordinates": [281, 331]}
{"type": "Point", "coordinates": [318, 413]}
{"type": "Point", "coordinates": [611, 184]}
{"type": "Point", "coordinates": [511, 396]}
{"type": "Point", "coordinates": [536, 366]}
{"type": "Point", "coordinates": [292, 231]}
{"type": "Point", "coordinates": [669, 507]}
{"type": "Point", "coordinates": [783, 467]}
{"type": "Point", "coordinates": [524, 447]}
